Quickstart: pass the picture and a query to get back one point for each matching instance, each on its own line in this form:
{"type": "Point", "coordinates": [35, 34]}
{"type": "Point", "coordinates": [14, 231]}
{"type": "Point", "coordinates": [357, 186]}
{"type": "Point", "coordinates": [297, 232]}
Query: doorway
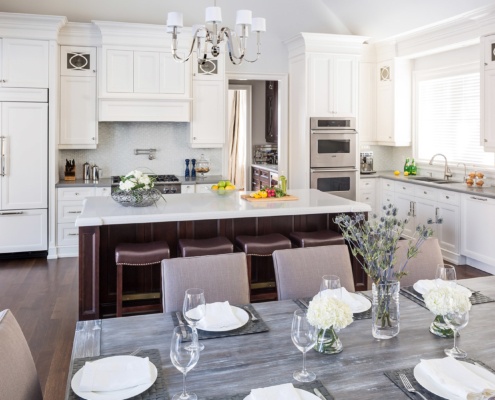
{"type": "Point", "coordinates": [255, 122]}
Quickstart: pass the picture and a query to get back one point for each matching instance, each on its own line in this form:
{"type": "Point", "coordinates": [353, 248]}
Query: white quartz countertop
{"type": "Point", "coordinates": [202, 206]}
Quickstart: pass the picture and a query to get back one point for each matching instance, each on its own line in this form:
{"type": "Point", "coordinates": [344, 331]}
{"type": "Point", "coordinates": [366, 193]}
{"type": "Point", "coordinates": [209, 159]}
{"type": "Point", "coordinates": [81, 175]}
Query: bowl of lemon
{"type": "Point", "coordinates": [223, 188]}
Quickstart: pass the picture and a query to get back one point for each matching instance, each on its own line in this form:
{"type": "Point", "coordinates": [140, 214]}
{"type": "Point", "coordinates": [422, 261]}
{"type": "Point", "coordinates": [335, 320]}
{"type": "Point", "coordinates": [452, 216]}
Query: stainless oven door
{"type": "Point", "coordinates": [338, 181]}
{"type": "Point", "coordinates": [335, 149]}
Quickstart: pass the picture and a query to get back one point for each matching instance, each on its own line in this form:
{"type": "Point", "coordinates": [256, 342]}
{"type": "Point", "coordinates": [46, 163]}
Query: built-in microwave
{"type": "Point", "coordinates": [333, 142]}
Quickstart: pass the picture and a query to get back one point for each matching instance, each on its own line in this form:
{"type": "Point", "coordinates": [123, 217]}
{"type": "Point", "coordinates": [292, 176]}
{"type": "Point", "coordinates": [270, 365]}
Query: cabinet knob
{"type": "Point", "coordinates": [447, 197]}
{"type": "Point", "coordinates": [92, 138]}
{"type": "Point", "coordinates": [485, 140]}
{"type": "Point", "coordinates": [4, 80]}
{"type": "Point", "coordinates": [94, 71]}
{"type": "Point", "coordinates": [486, 64]}
{"type": "Point", "coordinates": [194, 137]}
{"type": "Point", "coordinates": [77, 194]}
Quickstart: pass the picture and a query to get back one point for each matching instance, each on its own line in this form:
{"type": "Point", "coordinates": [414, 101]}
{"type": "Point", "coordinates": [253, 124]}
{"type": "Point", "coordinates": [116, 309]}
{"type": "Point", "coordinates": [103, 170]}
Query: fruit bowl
{"type": "Point", "coordinates": [223, 192]}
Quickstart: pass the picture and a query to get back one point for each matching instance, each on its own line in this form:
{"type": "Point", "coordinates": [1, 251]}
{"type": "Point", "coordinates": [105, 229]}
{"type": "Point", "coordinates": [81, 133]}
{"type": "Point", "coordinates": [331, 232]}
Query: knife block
{"type": "Point", "coordinates": [70, 174]}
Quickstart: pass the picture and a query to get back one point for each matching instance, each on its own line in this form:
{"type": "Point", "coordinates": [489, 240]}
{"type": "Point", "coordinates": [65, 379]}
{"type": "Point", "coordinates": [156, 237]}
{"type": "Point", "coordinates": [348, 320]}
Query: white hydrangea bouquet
{"type": "Point", "coordinates": [444, 300]}
{"type": "Point", "coordinates": [136, 190]}
{"type": "Point", "coordinates": [329, 315]}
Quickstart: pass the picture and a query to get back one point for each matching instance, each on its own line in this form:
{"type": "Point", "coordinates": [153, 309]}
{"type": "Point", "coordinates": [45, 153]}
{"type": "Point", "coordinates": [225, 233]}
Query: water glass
{"type": "Point", "coordinates": [184, 358]}
{"type": "Point", "coordinates": [446, 275]}
{"type": "Point", "coordinates": [456, 321]}
{"type": "Point", "coordinates": [331, 283]}
{"type": "Point", "coordinates": [304, 337]}
{"type": "Point", "coordinates": [194, 309]}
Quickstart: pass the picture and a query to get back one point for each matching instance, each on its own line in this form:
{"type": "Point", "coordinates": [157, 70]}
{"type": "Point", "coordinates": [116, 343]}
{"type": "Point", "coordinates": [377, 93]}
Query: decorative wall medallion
{"type": "Point", "coordinates": [78, 61]}
{"type": "Point", "coordinates": [209, 67]}
{"type": "Point", "coordinates": [385, 73]}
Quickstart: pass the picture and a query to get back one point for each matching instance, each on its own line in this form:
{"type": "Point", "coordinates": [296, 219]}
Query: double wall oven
{"type": "Point", "coordinates": [333, 156]}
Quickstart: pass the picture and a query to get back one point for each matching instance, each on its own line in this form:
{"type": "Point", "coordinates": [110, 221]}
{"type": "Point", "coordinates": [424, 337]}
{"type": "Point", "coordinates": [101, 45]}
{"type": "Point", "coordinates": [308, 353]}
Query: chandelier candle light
{"type": "Point", "coordinates": [212, 34]}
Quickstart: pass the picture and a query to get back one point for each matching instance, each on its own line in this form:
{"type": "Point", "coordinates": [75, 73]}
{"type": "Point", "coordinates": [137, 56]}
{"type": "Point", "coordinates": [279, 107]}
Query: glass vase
{"type": "Point", "coordinates": [385, 310]}
{"type": "Point", "coordinates": [440, 328]}
{"type": "Point", "coordinates": [328, 342]}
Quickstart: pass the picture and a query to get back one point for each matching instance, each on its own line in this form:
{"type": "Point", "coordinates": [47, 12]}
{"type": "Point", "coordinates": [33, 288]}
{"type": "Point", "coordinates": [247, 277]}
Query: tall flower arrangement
{"type": "Point", "coordinates": [374, 243]}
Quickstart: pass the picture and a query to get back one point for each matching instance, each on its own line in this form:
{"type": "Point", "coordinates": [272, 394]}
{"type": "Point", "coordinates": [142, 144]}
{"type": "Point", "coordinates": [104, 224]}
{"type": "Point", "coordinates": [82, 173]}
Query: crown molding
{"type": "Point", "coordinates": [79, 34]}
{"type": "Point", "coordinates": [28, 26]}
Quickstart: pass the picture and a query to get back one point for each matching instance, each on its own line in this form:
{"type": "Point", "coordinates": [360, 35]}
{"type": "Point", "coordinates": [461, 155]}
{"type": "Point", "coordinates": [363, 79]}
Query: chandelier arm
{"type": "Point", "coordinates": [258, 53]}
{"type": "Point", "coordinates": [236, 60]}
{"type": "Point", "coordinates": [174, 47]}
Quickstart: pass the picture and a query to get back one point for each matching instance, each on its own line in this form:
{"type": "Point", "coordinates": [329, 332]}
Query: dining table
{"type": "Point", "coordinates": [233, 365]}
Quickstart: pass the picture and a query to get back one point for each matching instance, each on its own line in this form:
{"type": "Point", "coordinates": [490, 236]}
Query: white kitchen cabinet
{"type": "Point", "coordinates": [103, 191]}
{"type": "Point", "coordinates": [366, 125]}
{"type": "Point", "coordinates": [203, 187]}
{"type": "Point", "coordinates": [25, 230]}
{"type": "Point", "coordinates": [78, 98]}
{"type": "Point", "coordinates": [187, 188]}
{"type": "Point", "coordinates": [478, 219]}
{"type": "Point", "coordinates": [488, 92]}
{"type": "Point", "coordinates": [393, 102]}
{"type": "Point", "coordinates": [367, 193]}
{"type": "Point", "coordinates": [333, 80]}
{"type": "Point", "coordinates": [146, 72]}
{"type": "Point", "coordinates": [24, 63]}
{"type": "Point", "coordinates": [208, 126]}
{"type": "Point", "coordinates": [119, 73]}
{"type": "Point", "coordinates": [405, 209]}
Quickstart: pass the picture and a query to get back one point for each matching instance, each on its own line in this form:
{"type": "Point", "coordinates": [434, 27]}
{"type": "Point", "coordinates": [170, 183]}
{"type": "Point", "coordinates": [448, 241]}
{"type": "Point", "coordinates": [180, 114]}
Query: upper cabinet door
{"type": "Point", "coordinates": [175, 77]}
{"type": "Point", "coordinates": [146, 72]}
{"type": "Point", "coordinates": [24, 63]}
{"type": "Point", "coordinates": [120, 71]}
{"type": "Point", "coordinates": [344, 88]}
{"type": "Point", "coordinates": [77, 61]}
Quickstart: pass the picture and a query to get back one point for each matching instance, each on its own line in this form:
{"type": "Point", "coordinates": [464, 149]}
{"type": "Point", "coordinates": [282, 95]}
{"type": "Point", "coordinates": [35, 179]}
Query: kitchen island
{"type": "Point", "coordinates": [104, 223]}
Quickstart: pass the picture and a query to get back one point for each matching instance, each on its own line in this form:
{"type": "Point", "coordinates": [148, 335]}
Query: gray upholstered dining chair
{"type": "Point", "coordinates": [424, 265]}
{"type": "Point", "coordinates": [223, 277]}
{"type": "Point", "coordinates": [298, 271]}
{"type": "Point", "coordinates": [18, 376]}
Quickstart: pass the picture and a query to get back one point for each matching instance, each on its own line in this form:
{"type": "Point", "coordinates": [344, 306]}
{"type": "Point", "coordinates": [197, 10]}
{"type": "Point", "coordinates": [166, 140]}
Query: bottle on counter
{"type": "Point", "coordinates": [283, 182]}
{"type": "Point", "coordinates": [413, 169]}
{"type": "Point", "coordinates": [186, 174]}
{"type": "Point", "coordinates": [407, 165]}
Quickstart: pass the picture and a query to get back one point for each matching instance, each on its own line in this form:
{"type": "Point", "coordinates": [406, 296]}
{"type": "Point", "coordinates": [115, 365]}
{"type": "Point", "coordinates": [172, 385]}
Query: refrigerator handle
{"type": "Point", "coordinates": [3, 156]}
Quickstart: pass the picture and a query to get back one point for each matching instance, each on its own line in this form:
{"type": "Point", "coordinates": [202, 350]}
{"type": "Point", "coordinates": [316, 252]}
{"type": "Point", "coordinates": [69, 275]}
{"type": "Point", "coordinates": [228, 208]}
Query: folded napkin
{"type": "Point", "coordinates": [278, 392]}
{"type": "Point", "coordinates": [115, 373]}
{"type": "Point", "coordinates": [424, 285]}
{"type": "Point", "coordinates": [457, 379]}
{"type": "Point", "coordinates": [346, 297]}
{"type": "Point", "coordinates": [219, 316]}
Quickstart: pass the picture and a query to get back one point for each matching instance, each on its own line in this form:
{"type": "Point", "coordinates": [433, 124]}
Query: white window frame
{"type": "Point", "coordinates": [421, 75]}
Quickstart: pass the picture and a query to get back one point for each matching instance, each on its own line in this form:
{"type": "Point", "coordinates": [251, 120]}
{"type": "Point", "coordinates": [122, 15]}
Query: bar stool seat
{"type": "Point", "coordinates": [138, 255]}
{"type": "Point", "coordinates": [316, 238]}
{"type": "Point", "coordinates": [261, 246]}
{"type": "Point", "coordinates": [205, 247]}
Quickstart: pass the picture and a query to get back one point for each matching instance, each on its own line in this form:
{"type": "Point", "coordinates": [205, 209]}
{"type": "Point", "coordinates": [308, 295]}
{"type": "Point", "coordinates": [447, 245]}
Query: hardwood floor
{"type": "Point", "coordinates": [43, 296]}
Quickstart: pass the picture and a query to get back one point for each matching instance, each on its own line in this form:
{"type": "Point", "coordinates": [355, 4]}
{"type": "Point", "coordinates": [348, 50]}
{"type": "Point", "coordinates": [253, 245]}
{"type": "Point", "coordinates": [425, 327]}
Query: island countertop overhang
{"type": "Point", "coordinates": [203, 206]}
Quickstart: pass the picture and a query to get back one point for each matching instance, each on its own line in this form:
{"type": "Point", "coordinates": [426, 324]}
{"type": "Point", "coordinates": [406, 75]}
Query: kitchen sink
{"type": "Point", "coordinates": [431, 180]}
{"type": "Point", "coordinates": [442, 182]}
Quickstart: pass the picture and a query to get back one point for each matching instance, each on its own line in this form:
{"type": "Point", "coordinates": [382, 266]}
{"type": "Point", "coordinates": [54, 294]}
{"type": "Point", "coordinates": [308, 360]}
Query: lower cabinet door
{"type": "Point", "coordinates": [23, 230]}
{"type": "Point", "coordinates": [67, 234]}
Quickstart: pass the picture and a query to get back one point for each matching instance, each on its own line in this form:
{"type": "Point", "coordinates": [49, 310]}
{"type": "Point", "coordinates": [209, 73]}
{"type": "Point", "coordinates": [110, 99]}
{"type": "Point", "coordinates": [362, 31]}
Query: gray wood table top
{"type": "Point", "coordinates": [237, 364]}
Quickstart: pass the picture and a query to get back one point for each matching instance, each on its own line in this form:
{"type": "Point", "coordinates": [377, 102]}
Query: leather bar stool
{"type": "Point", "coordinates": [316, 238]}
{"type": "Point", "coordinates": [205, 247]}
{"type": "Point", "coordinates": [261, 246]}
{"type": "Point", "coordinates": [138, 255]}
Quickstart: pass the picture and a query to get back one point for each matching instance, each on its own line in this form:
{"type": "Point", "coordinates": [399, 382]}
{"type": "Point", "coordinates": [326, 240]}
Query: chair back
{"type": "Point", "coordinates": [223, 277]}
{"type": "Point", "coordinates": [298, 271]}
{"type": "Point", "coordinates": [18, 376]}
{"type": "Point", "coordinates": [424, 265]}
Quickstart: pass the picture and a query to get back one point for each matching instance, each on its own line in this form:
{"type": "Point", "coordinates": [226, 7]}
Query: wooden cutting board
{"type": "Point", "coordinates": [266, 199]}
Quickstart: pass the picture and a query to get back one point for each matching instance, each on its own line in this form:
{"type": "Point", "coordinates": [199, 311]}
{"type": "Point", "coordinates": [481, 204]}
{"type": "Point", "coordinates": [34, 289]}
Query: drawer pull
{"type": "Point", "coordinates": [73, 234]}
{"type": "Point", "coordinates": [73, 212]}
{"type": "Point", "coordinates": [425, 192]}
{"type": "Point", "coordinates": [11, 213]}
{"type": "Point", "coordinates": [478, 198]}
{"type": "Point", "coordinates": [447, 197]}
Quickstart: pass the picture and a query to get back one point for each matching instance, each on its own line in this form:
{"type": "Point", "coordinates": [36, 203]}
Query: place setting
{"type": "Point", "coordinates": [359, 303]}
{"type": "Point", "coordinates": [218, 319]}
{"type": "Point", "coordinates": [445, 275]}
{"type": "Point", "coordinates": [118, 377]}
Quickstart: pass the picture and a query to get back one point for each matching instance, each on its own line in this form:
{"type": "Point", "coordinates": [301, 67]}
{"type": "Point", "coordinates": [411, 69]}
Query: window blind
{"type": "Point", "coordinates": [448, 117]}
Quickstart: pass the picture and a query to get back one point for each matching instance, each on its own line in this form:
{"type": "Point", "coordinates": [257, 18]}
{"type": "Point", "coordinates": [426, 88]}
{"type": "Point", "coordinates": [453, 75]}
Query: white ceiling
{"type": "Point", "coordinates": [285, 18]}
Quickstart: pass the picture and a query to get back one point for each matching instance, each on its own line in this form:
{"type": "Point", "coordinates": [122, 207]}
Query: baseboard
{"type": "Point", "coordinates": [480, 265]}
{"type": "Point", "coordinates": [67, 251]}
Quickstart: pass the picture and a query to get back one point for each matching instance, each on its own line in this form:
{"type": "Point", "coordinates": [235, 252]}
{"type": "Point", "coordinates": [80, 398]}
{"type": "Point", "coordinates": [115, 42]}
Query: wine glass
{"type": "Point", "coordinates": [456, 321]}
{"type": "Point", "coordinates": [445, 275]}
{"type": "Point", "coordinates": [194, 309]}
{"type": "Point", "coordinates": [304, 337]}
{"type": "Point", "coordinates": [331, 282]}
{"type": "Point", "coordinates": [184, 358]}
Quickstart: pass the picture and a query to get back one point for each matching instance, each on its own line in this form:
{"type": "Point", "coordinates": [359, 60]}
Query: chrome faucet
{"type": "Point", "coordinates": [465, 173]}
{"type": "Point", "coordinates": [447, 173]}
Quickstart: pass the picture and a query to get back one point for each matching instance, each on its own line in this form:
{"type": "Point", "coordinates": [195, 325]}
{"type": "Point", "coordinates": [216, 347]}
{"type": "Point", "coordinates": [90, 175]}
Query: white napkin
{"type": "Point", "coordinates": [424, 285]}
{"type": "Point", "coordinates": [219, 316]}
{"type": "Point", "coordinates": [278, 392]}
{"type": "Point", "coordinates": [115, 373]}
{"type": "Point", "coordinates": [457, 379]}
{"type": "Point", "coordinates": [346, 297]}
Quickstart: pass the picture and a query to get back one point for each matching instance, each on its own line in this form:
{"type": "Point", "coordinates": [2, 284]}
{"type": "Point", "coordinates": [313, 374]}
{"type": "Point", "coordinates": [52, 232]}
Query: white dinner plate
{"type": "Point", "coordinates": [418, 287]}
{"type": "Point", "coordinates": [429, 383]}
{"type": "Point", "coordinates": [116, 394]}
{"type": "Point", "coordinates": [241, 315]}
{"type": "Point", "coordinates": [303, 394]}
{"type": "Point", "coordinates": [364, 303]}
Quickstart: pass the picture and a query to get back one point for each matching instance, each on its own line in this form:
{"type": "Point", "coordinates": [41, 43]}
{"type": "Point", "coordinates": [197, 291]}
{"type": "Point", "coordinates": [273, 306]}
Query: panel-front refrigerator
{"type": "Point", "coordinates": [23, 174]}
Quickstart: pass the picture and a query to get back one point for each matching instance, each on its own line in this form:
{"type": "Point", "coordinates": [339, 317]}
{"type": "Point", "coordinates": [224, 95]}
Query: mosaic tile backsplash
{"type": "Point", "coordinates": [117, 141]}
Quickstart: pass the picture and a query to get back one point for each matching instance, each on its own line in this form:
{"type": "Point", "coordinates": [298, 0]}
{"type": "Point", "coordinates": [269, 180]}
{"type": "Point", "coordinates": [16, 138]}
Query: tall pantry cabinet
{"type": "Point", "coordinates": [27, 52]}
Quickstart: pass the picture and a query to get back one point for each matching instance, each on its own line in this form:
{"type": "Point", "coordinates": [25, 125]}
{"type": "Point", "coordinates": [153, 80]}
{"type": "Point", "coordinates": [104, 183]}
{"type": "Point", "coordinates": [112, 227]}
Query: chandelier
{"type": "Point", "coordinates": [211, 34]}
